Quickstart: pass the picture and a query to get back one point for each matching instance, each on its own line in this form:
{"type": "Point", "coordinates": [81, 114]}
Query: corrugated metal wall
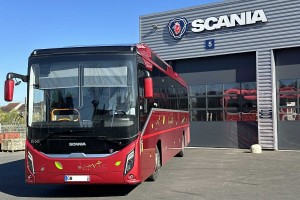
{"type": "Point", "coordinates": [265, 102]}
{"type": "Point", "coordinates": [281, 30]}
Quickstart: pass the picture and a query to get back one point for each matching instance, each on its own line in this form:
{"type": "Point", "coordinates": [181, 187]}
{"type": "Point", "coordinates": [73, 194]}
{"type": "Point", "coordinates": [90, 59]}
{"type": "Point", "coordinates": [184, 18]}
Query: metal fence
{"type": "Point", "coordinates": [20, 128]}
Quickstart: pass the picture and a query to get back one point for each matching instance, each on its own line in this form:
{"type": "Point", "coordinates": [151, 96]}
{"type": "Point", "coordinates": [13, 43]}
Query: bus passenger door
{"type": "Point", "coordinates": [147, 161]}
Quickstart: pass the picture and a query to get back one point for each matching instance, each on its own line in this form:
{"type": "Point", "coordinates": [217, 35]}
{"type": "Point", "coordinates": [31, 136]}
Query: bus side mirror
{"type": "Point", "coordinates": [148, 84]}
{"type": "Point", "coordinates": [9, 90]}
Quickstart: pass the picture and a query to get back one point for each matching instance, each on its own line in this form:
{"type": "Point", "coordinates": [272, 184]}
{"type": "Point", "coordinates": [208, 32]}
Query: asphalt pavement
{"type": "Point", "coordinates": [201, 174]}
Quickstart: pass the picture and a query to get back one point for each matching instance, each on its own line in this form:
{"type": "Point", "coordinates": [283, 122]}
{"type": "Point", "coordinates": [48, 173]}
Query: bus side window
{"type": "Point", "coordinates": [143, 103]}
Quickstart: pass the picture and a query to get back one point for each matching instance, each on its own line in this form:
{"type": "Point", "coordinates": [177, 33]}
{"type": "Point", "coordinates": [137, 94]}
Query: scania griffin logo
{"type": "Point", "coordinates": [177, 27]}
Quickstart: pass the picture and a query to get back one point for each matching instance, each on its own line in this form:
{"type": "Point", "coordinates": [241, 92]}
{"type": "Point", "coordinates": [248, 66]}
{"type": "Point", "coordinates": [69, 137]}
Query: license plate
{"type": "Point", "coordinates": [77, 178]}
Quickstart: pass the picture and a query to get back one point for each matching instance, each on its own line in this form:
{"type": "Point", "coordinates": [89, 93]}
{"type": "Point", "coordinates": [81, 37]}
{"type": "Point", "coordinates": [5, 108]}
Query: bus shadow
{"type": "Point", "coordinates": [12, 183]}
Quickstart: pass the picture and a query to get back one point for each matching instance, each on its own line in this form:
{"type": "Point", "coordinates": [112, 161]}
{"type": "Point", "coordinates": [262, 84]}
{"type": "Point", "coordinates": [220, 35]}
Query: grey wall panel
{"type": "Point", "coordinates": [281, 30]}
{"type": "Point", "coordinates": [223, 134]}
{"type": "Point", "coordinates": [211, 77]}
{"type": "Point", "coordinates": [288, 72]}
{"type": "Point", "coordinates": [265, 102]}
{"type": "Point", "coordinates": [288, 136]}
{"type": "Point", "coordinates": [218, 69]}
{"type": "Point", "coordinates": [287, 56]}
{"type": "Point", "coordinates": [288, 67]}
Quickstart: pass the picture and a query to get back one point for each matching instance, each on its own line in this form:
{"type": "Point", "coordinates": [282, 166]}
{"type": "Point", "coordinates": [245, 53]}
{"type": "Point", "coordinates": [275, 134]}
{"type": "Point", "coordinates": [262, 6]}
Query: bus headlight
{"type": "Point", "coordinates": [129, 162]}
{"type": "Point", "coordinates": [30, 162]}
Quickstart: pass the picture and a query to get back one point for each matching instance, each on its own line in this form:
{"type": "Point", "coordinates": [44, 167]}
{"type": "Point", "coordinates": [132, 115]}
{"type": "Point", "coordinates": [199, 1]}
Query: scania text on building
{"type": "Point", "coordinates": [213, 23]}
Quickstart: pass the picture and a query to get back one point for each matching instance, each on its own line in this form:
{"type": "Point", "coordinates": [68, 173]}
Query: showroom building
{"type": "Point", "coordinates": [241, 60]}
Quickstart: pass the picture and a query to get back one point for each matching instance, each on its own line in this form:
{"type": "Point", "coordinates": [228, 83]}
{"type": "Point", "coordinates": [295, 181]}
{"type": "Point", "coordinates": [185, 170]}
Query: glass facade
{"type": "Point", "coordinates": [223, 102]}
{"type": "Point", "coordinates": [288, 94]}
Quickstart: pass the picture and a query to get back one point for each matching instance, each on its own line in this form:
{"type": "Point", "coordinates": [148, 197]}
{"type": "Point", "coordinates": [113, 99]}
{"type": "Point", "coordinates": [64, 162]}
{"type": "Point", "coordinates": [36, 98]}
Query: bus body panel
{"type": "Point", "coordinates": [165, 129]}
{"type": "Point", "coordinates": [101, 170]}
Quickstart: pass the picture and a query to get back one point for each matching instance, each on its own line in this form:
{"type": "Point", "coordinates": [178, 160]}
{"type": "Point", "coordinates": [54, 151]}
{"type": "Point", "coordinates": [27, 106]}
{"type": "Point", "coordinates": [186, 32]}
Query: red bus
{"type": "Point", "coordinates": [101, 115]}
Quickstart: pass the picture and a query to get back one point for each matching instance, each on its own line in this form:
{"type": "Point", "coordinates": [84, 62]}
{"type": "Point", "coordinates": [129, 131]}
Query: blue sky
{"type": "Point", "coordinates": [26, 25]}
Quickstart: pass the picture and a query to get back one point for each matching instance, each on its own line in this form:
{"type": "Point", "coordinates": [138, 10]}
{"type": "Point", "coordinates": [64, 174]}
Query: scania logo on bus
{"type": "Point", "coordinates": [177, 27]}
{"type": "Point", "coordinates": [77, 144]}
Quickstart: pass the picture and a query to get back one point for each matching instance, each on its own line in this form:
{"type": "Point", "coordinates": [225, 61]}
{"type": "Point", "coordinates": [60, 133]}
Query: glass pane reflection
{"type": "Point", "coordinates": [232, 88]}
{"type": "Point", "coordinates": [198, 102]}
{"type": "Point", "coordinates": [214, 89]}
{"type": "Point", "coordinates": [198, 115]}
{"type": "Point", "coordinates": [198, 90]}
{"type": "Point", "coordinates": [288, 85]}
{"type": "Point", "coordinates": [224, 102]}
{"type": "Point", "coordinates": [214, 102]}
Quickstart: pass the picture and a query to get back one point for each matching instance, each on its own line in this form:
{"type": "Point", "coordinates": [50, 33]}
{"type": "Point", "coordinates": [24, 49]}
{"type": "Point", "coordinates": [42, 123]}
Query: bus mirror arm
{"type": "Point", "coordinates": [11, 76]}
{"type": "Point", "coordinates": [10, 83]}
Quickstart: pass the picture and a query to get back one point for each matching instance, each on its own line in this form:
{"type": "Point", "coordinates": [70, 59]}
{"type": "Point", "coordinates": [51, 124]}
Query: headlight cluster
{"type": "Point", "coordinates": [129, 162]}
{"type": "Point", "coordinates": [30, 162]}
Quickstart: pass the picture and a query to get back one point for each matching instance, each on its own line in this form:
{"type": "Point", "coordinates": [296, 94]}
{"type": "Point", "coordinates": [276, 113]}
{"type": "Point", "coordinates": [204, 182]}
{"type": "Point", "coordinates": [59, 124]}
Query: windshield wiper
{"type": "Point", "coordinates": [110, 140]}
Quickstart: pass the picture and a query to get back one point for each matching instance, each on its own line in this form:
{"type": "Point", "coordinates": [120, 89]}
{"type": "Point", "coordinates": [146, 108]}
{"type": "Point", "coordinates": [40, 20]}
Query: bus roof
{"type": "Point", "coordinates": [84, 49]}
{"type": "Point", "coordinates": [143, 49]}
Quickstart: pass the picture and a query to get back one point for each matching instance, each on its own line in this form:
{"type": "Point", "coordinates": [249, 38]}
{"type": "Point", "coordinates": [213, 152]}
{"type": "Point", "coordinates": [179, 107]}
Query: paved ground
{"type": "Point", "coordinates": [201, 174]}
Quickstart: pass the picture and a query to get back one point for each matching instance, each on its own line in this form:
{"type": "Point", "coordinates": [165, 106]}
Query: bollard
{"type": "Point", "coordinates": [256, 148]}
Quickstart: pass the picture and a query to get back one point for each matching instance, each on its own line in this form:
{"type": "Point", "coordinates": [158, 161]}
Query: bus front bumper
{"type": "Point", "coordinates": [88, 178]}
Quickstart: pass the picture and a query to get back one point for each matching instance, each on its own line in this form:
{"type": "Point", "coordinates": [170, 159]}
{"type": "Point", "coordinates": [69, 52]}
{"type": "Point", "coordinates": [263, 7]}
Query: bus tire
{"type": "Point", "coordinates": [181, 152]}
{"type": "Point", "coordinates": [154, 176]}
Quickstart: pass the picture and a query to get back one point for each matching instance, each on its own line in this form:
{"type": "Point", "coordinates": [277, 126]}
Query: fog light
{"type": "Point", "coordinates": [131, 176]}
{"type": "Point", "coordinates": [29, 177]}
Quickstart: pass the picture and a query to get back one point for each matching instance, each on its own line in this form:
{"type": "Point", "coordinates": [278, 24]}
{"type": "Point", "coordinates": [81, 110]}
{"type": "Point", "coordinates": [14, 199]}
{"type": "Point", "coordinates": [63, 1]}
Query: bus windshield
{"type": "Point", "coordinates": [93, 93]}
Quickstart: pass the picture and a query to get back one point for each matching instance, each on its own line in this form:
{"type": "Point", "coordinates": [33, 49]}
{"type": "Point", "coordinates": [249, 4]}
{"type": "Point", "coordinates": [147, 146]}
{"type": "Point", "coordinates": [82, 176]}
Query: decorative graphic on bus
{"type": "Point", "coordinates": [93, 166]}
{"type": "Point", "coordinates": [58, 165]}
{"type": "Point", "coordinates": [177, 27]}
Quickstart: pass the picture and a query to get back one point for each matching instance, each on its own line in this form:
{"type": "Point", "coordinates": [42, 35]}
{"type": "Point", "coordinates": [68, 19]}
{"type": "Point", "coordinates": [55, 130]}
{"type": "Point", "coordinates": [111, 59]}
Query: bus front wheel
{"type": "Point", "coordinates": [154, 176]}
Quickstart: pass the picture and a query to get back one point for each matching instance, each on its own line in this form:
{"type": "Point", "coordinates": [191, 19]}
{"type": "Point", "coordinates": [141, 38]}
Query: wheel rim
{"type": "Point", "coordinates": [157, 161]}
